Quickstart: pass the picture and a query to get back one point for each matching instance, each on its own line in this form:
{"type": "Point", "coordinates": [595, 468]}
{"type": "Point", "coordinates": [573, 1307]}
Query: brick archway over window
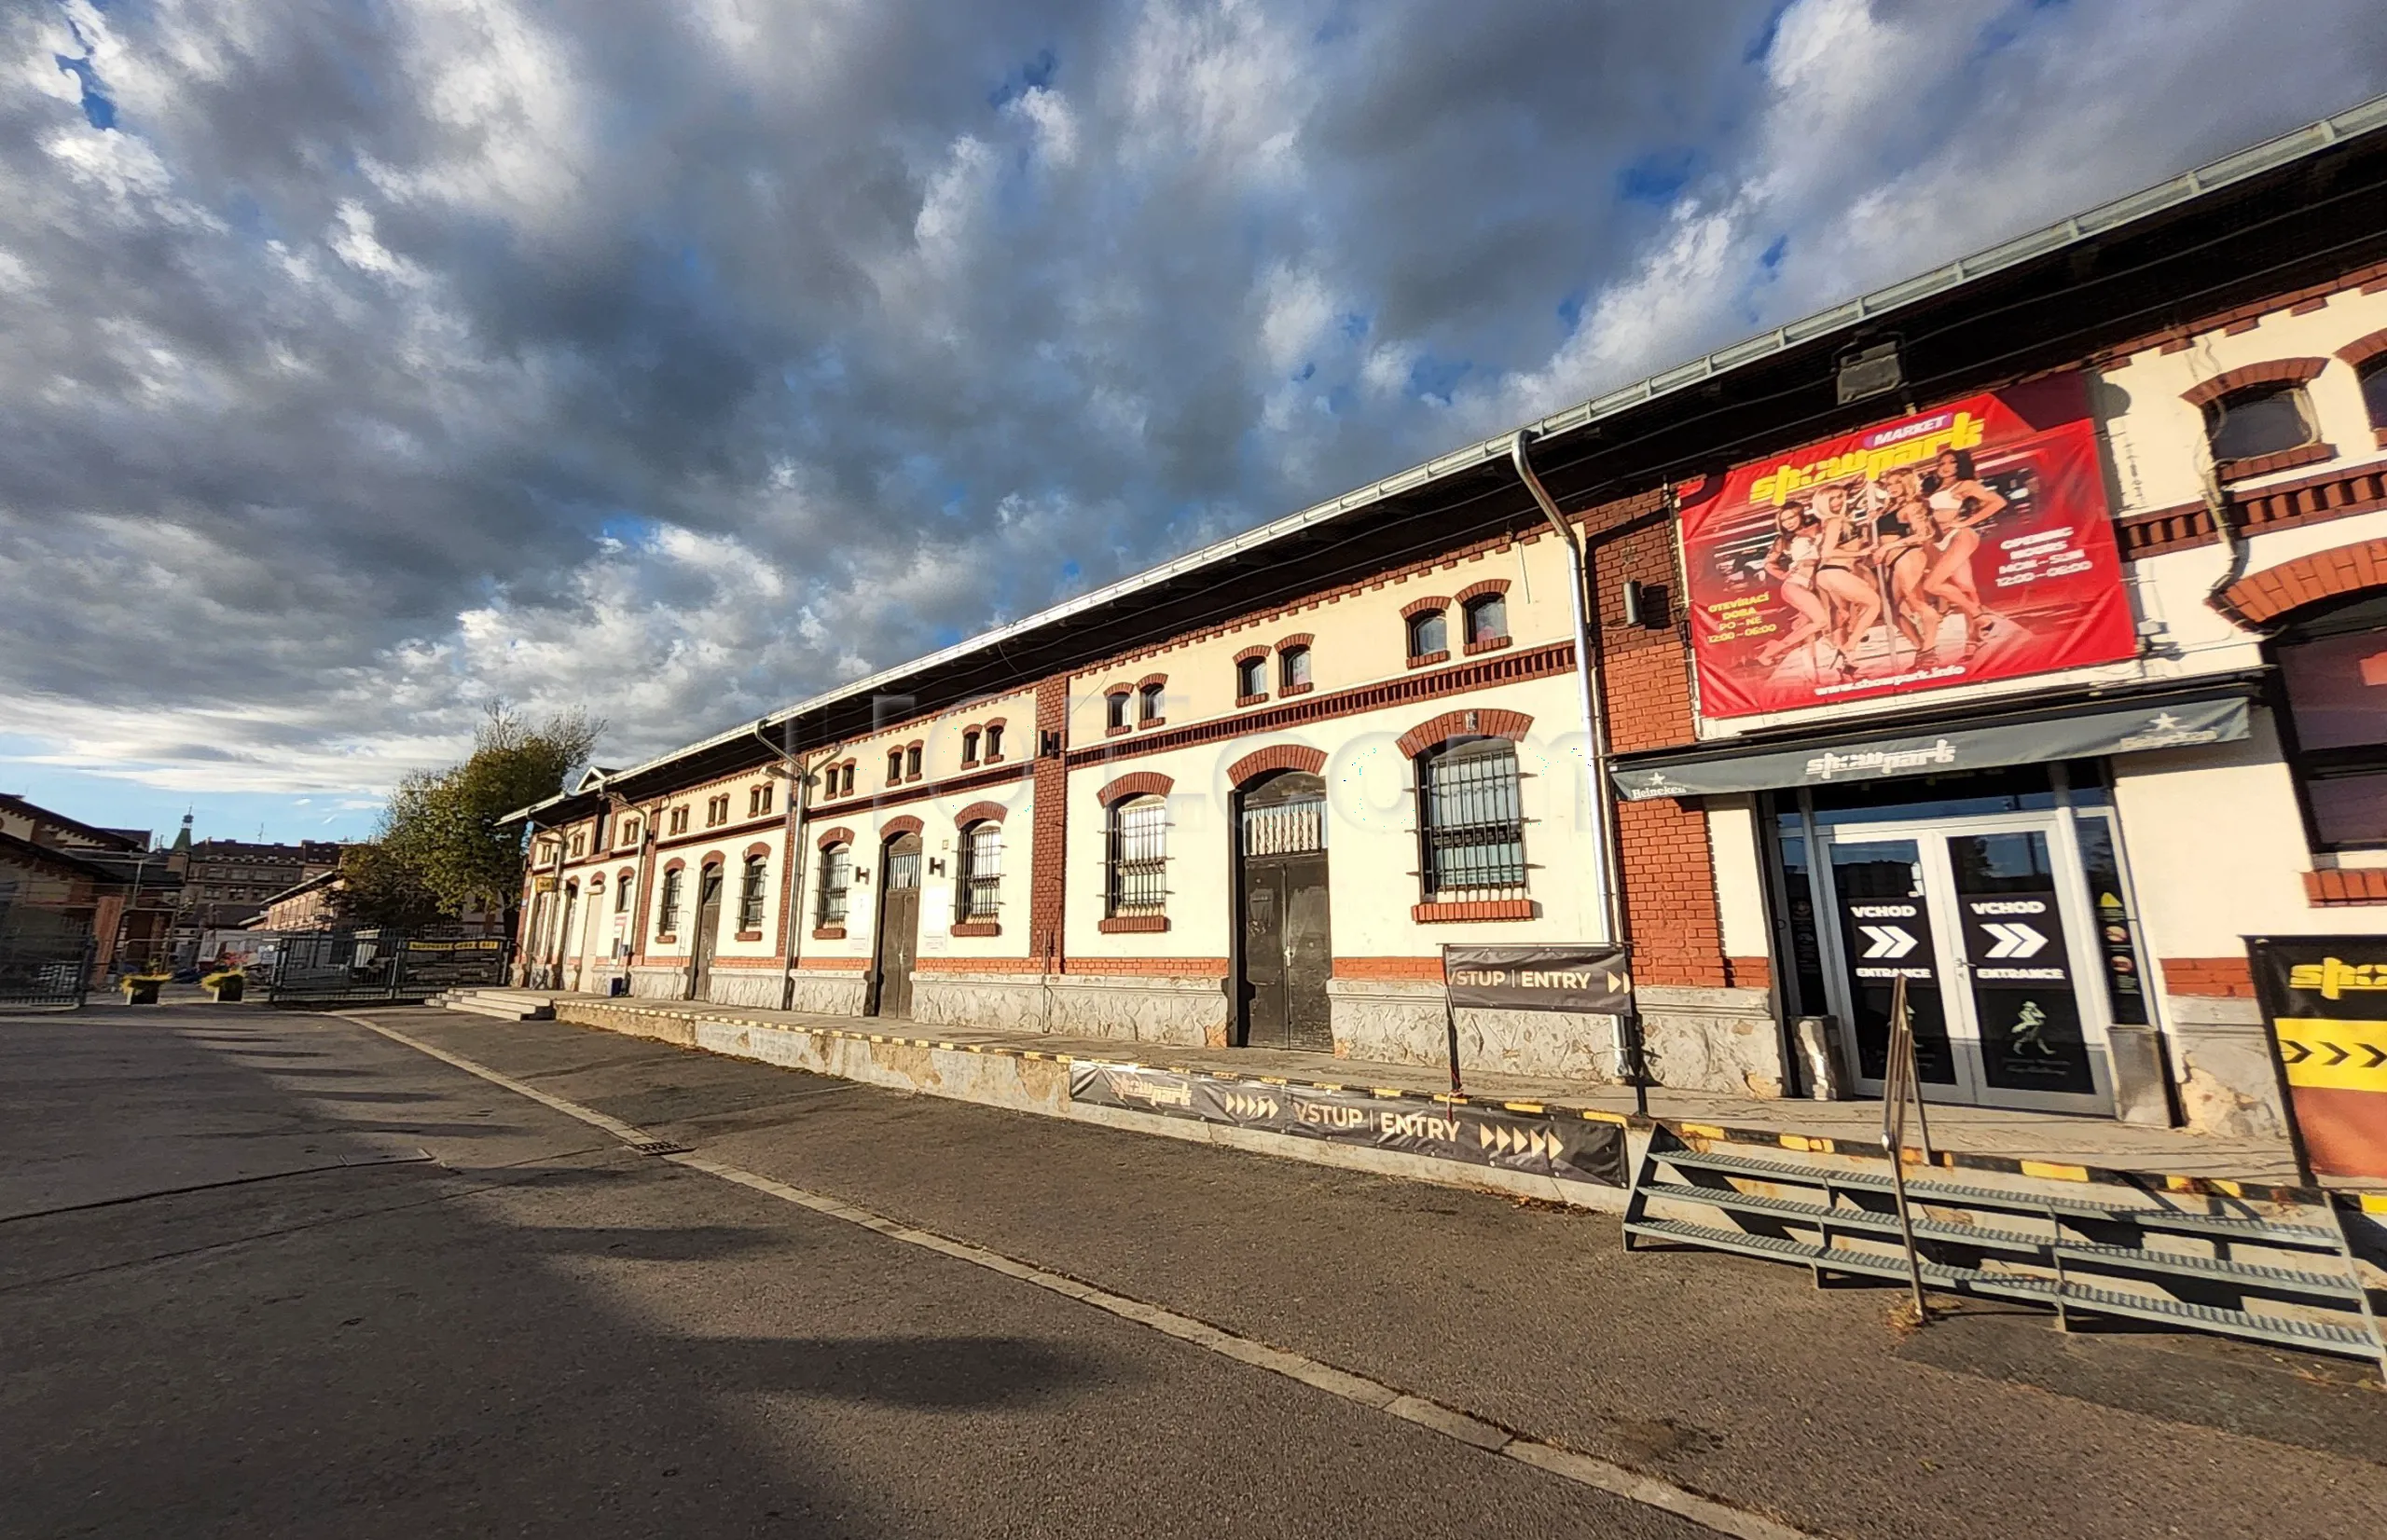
{"type": "Point", "coordinates": [1142, 783]}
{"type": "Point", "coordinates": [1477, 590]}
{"type": "Point", "coordinates": [1277, 756]}
{"type": "Point", "coordinates": [1479, 723]}
{"type": "Point", "coordinates": [894, 828]}
{"type": "Point", "coordinates": [1417, 606]}
{"type": "Point", "coordinates": [2260, 597]}
{"type": "Point", "coordinates": [979, 812]}
{"type": "Point", "coordinates": [757, 848]}
{"type": "Point", "coordinates": [2277, 371]}
{"type": "Point", "coordinates": [2362, 349]}
{"type": "Point", "coordinates": [840, 835]}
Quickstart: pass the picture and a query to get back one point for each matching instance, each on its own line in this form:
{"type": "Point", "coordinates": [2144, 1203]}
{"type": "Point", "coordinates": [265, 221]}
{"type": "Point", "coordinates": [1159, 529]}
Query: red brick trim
{"type": "Point", "coordinates": [1441, 913]}
{"type": "Point", "coordinates": [839, 835]}
{"type": "Point", "coordinates": [2275, 371]}
{"type": "Point", "coordinates": [675, 863]}
{"type": "Point", "coordinates": [969, 928]}
{"type": "Point", "coordinates": [2362, 349]}
{"type": "Point", "coordinates": [1136, 783]}
{"type": "Point", "coordinates": [1431, 601]}
{"type": "Point", "coordinates": [1749, 972]}
{"type": "Point", "coordinates": [1149, 681]}
{"type": "Point", "coordinates": [2319, 302]}
{"type": "Point", "coordinates": [1477, 590]}
{"type": "Point", "coordinates": [904, 824]}
{"type": "Point", "coordinates": [1426, 660]}
{"type": "Point", "coordinates": [977, 965]}
{"type": "Point", "coordinates": [2263, 465]}
{"type": "Point", "coordinates": [832, 965]}
{"type": "Point", "coordinates": [1290, 690]}
{"type": "Point", "coordinates": [758, 848]}
{"type": "Point", "coordinates": [2259, 598]}
{"type": "Point", "coordinates": [1298, 638]}
{"type": "Point", "coordinates": [1390, 969]}
{"type": "Point", "coordinates": [1259, 700]}
{"type": "Point", "coordinates": [1277, 756]}
{"type": "Point", "coordinates": [1487, 722]}
{"type": "Point", "coordinates": [1133, 925]}
{"type": "Point", "coordinates": [2209, 978]}
{"type": "Point", "coordinates": [746, 936]}
{"type": "Point", "coordinates": [1491, 645]}
{"type": "Point", "coordinates": [828, 933]}
{"type": "Point", "coordinates": [979, 812]}
{"type": "Point", "coordinates": [1250, 652]}
{"type": "Point", "coordinates": [2345, 886]}
{"type": "Point", "coordinates": [1150, 968]}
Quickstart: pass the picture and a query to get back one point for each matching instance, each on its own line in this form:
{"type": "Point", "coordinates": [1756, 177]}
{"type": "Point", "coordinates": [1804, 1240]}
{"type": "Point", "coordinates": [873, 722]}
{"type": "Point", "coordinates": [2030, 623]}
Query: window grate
{"type": "Point", "coordinates": [1139, 858]}
{"type": "Point", "coordinates": [1472, 827]}
{"type": "Point", "coordinates": [836, 876]}
{"type": "Point", "coordinates": [1285, 828]}
{"type": "Point", "coordinates": [750, 895]}
{"type": "Point", "coordinates": [979, 894]}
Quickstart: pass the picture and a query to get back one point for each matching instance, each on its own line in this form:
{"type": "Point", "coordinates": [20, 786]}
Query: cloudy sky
{"type": "Point", "coordinates": [365, 359]}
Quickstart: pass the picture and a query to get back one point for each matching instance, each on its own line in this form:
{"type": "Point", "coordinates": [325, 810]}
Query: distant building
{"type": "Point", "coordinates": [310, 903]}
{"type": "Point", "coordinates": [225, 884]}
{"type": "Point", "coordinates": [66, 884]}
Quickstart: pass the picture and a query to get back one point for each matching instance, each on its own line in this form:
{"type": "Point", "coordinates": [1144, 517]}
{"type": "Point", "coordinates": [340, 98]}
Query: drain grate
{"type": "Point", "coordinates": [652, 1146]}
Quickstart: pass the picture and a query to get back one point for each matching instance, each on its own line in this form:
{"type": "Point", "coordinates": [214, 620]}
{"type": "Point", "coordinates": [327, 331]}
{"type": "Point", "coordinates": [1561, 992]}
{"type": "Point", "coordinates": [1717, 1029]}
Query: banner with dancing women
{"type": "Point", "coordinates": [1964, 544]}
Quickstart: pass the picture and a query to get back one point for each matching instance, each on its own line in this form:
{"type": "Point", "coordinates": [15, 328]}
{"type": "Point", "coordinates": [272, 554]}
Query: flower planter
{"type": "Point", "coordinates": [141, 991]}
{"type": "Point", "coordinates": [227, 990]}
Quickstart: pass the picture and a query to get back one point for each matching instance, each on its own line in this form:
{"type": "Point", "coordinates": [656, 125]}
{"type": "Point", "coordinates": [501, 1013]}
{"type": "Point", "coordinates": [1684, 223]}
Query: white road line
{"type": "Point", "coordinates": [1584, 1469]}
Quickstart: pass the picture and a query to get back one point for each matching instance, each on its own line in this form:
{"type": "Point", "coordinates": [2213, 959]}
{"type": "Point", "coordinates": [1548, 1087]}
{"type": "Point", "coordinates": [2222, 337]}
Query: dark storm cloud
{"type": "Point", "coordinates": [683, 358]}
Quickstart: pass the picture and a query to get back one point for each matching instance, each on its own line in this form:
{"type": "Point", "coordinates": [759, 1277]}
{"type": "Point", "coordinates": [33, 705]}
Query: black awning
{"type": "Point", "coordinates": [2173, 722]}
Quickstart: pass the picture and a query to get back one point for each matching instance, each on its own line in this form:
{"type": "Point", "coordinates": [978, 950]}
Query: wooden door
{"type": "Point", "coordinates": [1288, 951]}
{"type": "Point", "coordinates": [899, 926]}
{"type": "Point", "coordinates": [708, 935]}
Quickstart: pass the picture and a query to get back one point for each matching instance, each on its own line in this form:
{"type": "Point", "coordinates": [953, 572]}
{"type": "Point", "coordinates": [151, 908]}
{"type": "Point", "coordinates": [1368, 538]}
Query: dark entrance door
{"type": "Point", "coordinates": [1288, 948]}
{"type": "Point", "coordinates": [899, 927]}
{"type": "Point", "coordinates": [708, 935]}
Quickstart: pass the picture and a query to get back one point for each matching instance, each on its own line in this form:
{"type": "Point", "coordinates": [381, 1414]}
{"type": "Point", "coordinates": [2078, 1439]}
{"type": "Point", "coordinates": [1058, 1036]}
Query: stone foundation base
{"type": "Point", "coordinates": [1403, 1024]}
{"type": "Point", "coordinates": [1712, 1040]}
{"type": "Point", "coordinates": [1185, 1013]}
{"type": "Point", "coordinates": [830, 993]}
{"type": "Point", "coordinates": [2221, 1062]}
{"type": "Point", "coordinates": [746, 986]}
{"type": "Point", "coordinates": [666, 983]}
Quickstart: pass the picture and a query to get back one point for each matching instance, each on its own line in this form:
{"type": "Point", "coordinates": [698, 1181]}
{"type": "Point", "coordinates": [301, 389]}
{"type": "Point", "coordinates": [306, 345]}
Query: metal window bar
{"type": "Point", "coordinates": [1285, 828]}
{"type": "Point", "coordinates": [836, 876]}
{"type": "Point", "coordinates": [667, 915]}
{"type": "Point", "coordinates": [750, 897]}
{"type": "Point", "coordinates": [1139, 858]}
{"type": "Point", "coordinates": [1473, 826]}
{"type": "Point", "coordinates": [980, 891]}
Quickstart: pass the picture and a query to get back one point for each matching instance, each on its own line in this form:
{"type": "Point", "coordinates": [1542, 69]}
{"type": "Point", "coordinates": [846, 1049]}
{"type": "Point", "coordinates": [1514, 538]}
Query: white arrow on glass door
{"type": "Point", "coordinates": [2009, 940]}
{"type": "Point", "coordinates": [1888, 940]}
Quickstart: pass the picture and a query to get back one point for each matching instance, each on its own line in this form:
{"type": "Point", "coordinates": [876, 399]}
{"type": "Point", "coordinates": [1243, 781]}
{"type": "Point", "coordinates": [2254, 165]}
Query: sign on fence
{"type": "Point", "coordinates": [2325, 1001]}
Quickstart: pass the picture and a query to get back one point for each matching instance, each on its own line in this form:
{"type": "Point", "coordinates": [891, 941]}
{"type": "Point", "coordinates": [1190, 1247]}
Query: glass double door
{"type": "Point", "coordinates": [1988, 922]}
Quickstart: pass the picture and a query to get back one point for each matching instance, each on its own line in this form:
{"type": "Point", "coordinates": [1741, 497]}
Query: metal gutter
{"type": "Point", "coordinates": [2311, 140]}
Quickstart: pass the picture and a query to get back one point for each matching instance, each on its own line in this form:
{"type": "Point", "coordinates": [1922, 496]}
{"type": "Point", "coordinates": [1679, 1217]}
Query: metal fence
{"type": "Point", "coordinates": [381, 966]}
{"type": "Point", "coordinates": [45, 958]}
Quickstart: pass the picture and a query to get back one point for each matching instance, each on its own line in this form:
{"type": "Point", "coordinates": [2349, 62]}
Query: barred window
{"type": "Point", "coordinates": [1487, 620]}
{"type": "Point", "coordinates": [979, 893]}
{"type": "Point", "coordinates": [668, 911]}
{"type": "Point", "coordinates": [1471, 822]}
{"type": "Point", "coordinates": [1428, 634]}
{"type": "Point", "coordinates": [1138, 857]}
{"type": "Point", "coordinates": [1251, 677]}
{"type": "Point", "coordinates": [1292, 667]}
{"type": "Point", "coordinates": [836, 876]}
{"type": "Point", "coordinates": [750, 893]}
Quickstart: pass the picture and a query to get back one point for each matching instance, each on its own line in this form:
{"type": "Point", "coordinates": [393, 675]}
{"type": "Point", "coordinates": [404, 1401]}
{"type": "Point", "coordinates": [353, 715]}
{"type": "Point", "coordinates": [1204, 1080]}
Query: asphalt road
{"type": "Point", "coordinates": [235, 1297]}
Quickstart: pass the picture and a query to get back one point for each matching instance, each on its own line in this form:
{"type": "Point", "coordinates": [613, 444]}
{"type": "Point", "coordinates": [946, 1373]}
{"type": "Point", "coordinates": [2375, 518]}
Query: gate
{"type": "Point", "coordinates": [381, 966]}
{"type": "Point", "coordinates": [45, 958]}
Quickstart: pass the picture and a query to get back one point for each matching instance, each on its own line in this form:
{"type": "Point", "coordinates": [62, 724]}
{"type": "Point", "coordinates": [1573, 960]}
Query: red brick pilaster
{"type": "Point", "coordinates": [1049, 843]}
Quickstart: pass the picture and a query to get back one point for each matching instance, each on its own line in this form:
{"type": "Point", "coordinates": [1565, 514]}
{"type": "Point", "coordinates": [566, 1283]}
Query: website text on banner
{"type": "Point", "coordinates": [1966, 544]}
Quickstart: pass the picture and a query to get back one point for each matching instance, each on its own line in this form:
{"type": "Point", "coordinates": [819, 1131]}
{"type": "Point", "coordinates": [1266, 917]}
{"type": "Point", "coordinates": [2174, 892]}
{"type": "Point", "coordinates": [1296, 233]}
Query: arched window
{"type": "Point", "coordinates": [845, 784]}
{"type": "Point", "coordinates": [1471, 825]}
{"type": "Point", "coordinates": [622, 893]}
{"type": "Point", "coordinates": [1487, 620]}
{"type": "Point", "coordinates": [993, 741]}
{"type": "Point", "coordinates": [970, 746]}
{"type": "Point", "coordinates": [1428, 634]}
{"type": "Point", "coordinates": [666, 913]}
{"type": "Point", "coordinates": [1137, 863]}
{"type": "Point", "coordinates": [894, 765]}
{"type": "Point", "coordinates": [912, 763]}
{"type": "Point", "coordinates": [1250, 678]}
{"type": "Point", "coordinates": [1115, 710]}
{"type": "Point", "coordinates": [836, 876]}
{"type": "Point", "coordinates": [977, 895]}
{"type": "Point", "coordinates": [2259, 419]}
{"type": "Point", "coordinates": [2373, 374]}
{"type": "Point", "coordinates": [1148, 704]}
{"type": "Point", "coordinates": [579, 844]}
{"type": "Point", "coordinates": [750, 893]}
{"type": "Point", "coordinates": [2333, 674]}
{"type": "Point", "coordinates": [1292, 669]}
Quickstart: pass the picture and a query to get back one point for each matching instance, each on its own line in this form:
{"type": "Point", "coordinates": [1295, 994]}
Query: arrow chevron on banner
{"type": "Point", "coordinates": [1888, 940]}
{"type": "Point", "coordinates": [2011, 939]}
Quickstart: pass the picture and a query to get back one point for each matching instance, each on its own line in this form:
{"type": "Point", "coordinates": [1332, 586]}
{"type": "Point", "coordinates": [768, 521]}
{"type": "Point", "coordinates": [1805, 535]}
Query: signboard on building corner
{"type": "Point", "coordinates": [2325, 1001]}
{"type": "Point", "coordinates": [1594, 981]}
{"type": "Point", "coordinates": [1969, 543]}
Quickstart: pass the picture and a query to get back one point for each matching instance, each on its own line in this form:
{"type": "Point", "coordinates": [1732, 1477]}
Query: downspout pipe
{"type": "Point", "coordinates": [798, 771]}
{"type": "Point", "coordinates": [1606, 861]}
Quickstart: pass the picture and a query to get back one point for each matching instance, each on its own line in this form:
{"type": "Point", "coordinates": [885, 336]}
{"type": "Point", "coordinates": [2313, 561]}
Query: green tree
{"type": "Point", "coordinates": [441, 827]}
{"type": "Point", "coordinates": [376, 887]}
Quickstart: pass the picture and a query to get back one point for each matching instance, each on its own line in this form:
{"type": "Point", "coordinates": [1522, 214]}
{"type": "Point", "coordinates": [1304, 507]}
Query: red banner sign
{"type": "Point", "coordinates": [1966, 544]}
